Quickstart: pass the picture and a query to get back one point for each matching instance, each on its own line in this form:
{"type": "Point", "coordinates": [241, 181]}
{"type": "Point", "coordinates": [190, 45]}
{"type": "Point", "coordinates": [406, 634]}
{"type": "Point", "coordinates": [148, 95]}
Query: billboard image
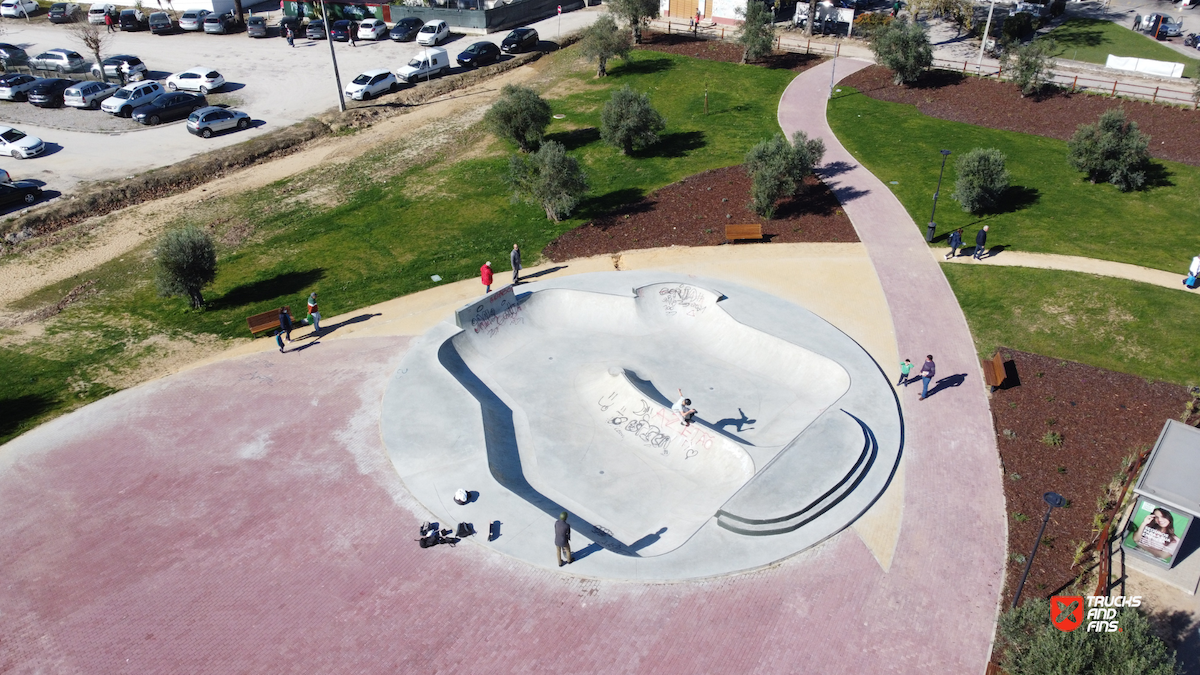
{"type": "Point", "coordinates": [1156, 531]}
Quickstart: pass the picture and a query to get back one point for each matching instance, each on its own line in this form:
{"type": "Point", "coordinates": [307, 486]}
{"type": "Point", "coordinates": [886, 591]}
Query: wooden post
{"type": "Point", "coordinates": [722, 32]}
{"type": "Point", "coordinates": [1154, 99]}
{"type": "Point", "coordinates": [807, 47]}
{"type": "Point", "coordinates": [1073, 83]}
{"type": "Point", "coordinates": [777, 39]}
{"type": "Point", "coordinates": [1114, 91]}
{"type": "Point", "coordinates": [837, 50]}
{"type": "Point", "coordinates": [964, 71]}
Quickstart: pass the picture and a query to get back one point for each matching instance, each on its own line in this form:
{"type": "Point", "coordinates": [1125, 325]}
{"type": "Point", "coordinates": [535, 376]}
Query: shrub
{"type": "Point", "coordinates": [1111, 151]}
{"type": "Point", "coordinates": [629, 122]}
{"type": "Point", "coordinates": [636, 13]}
{"type": "Point", "coordinates": [1016, 26]}
{"type": "Point", "coordinates": [1058, 7]}
{"type": "Point", "coordinates": [868, 24]}
{"type": "Point", "coordinates": [1031, 645]}
{"type": "Point", "coordinates": [549, 178]}
{"type": "Point", "coordinates": [757, 34]}
{"type": "Point", "coordinates": [1029, 65]}
{"type": "Point", "coordinates": [777, 169]}
{"type": "Point", "coordinates": [982, 179]}
{"type": "Point", "coordinates": [903, 48]}
{"type": "Point", "coordinates": [186, 261]}
{"type": "Point", "coordinates": [602, 41]}
{"type": "Point", "coordinates": [519, 115]}
{"type": "Point", "coordinates": [1052, 439]}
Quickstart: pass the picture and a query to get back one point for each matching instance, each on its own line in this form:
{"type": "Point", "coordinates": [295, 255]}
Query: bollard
{"type": "Point", "coordinates": [807, 47]}
{"type": "Point", "coordinates": [1114, 91]}
{"type": "Point", "coordinates": [1155, 97]}
{"type": "Point", "coordinates": [964, 70]}
{"type": "Point", "coordinates": [1073, 83]}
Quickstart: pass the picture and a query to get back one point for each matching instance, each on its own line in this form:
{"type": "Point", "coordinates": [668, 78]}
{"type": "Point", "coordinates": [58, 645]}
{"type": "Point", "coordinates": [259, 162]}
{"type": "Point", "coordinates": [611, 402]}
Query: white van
{"type": "Point", "coordinates": [427, 63]}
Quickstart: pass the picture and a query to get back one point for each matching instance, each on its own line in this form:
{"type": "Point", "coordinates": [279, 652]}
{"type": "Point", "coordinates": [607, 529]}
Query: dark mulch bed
{"type": "Point", "coordinates": [694, 212]}
{"type": "Point", "coordinates": [1103, 417]}
{"type": "Point", "coordinates": [1175, 132]}
{"type": "Point", "coordinates": [717, 50]}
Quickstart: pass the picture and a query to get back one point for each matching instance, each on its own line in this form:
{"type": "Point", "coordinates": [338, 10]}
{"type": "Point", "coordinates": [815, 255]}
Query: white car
{"type": "Point", "coordinates": [432, 33]}
{"type": "Point", "coordinates": [201, 80]}
{"type": "Point", "coordinates": [125, 99]}
{"type": "Point", "coordinates": [19, 144]}
{"type": "Point", "coordinates": [15, 9]}
{"type": "Point", "coordinates": [372, 29]}
{"type": "Point", "coordinates": [88, 94]}
{"type": "Point", "coordinates": [193, 19]}
{"type": "Point", "coordinates": [15, 87]}
{"type": "Point", "coordinates": [371, 84]}
{"type": "Point", "coordinates": [97, 13]}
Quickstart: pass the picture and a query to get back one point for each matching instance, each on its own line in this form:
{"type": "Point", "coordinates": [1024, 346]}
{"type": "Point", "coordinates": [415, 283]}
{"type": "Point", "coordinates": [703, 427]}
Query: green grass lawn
{"type": "Point", "coordinates": [1109, 323]}
{"type": "Point", "coordinates": [1051, 208]}
{"type": "Point", "coordinates": [1092, 40]}
{"type": "Point", "coordinates": [391, 234]}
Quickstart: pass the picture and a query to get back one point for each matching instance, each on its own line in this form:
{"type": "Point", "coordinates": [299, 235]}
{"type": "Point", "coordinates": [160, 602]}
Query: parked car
{"type": "Point", "coordinates": [372, 83]}
{"type": "Point", "coordinates": [479, 54]}
{"type": "Point", "coordinates": [12, 55]}
{"type": "Point", "coordinates": [295, 23]}
{"type": "Point", "coordinates": [16, 9]}
{"type": "Point", "coordinates": [193, 19]}
{"type": "Point", "coordinates": [15, 86]}
{"type": "Point", "coordinates": [19, 191]}
{"type": "Point", "coordinates": [112, 66]}
{"type": "Point", "coordinates": [19, 145]}
{"type": "Point", "coordinates": [208, 121]}
{"type": "Point", "coordinates": [221, 24]}
{"type": "Point", "coordinates": [1167, 26]}
{"type": "Point", "coordinates": [432, 33]}
{"type": "Point", "coordinates": [200, 79]}
{"type": "Point", "coordinates": [48, 93]}
{"type": "Point", "coordinates": [340, 30]}
{"type": "Point", "coordinates": [425, 64]}
{"type": "Point", "coordinates": [406, 29]}
{"type": "Point", "coordinates": [124, 100]}
{"type": "Point", "coordinates": [256, 27]}
{"type": "Point", "coordinates": [315, 30]}
{"type": "Point", "coordinates": [88, 94]}
{"type": "Point", "coordinates": [168, 107]}
{"type": "Point", "coordinates": [97, 13]}
{"type": "Point", "coordinates": [133, 19]}
{"type": "Point", "coordinates": [4, 177]}
{"type": "Point", "coordinates": [65, 12]}
{"type": "Point", "coordinates": [372, 29]}
{"type": "Point", "coordinates": [520, 40]}
{"type": "Point", "coordinates": [59, 60]}
{"type": "Point", "coordinates": [161, 23]}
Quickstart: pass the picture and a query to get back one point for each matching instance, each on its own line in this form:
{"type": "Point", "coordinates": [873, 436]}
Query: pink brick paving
{"type": "Point", "coordinates": [243, 517]}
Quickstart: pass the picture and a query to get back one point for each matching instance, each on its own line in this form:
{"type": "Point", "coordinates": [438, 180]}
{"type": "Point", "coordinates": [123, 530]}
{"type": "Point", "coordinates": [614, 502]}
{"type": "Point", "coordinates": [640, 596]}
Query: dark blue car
{"type": "Point", "coordinates": [479, 54]}
{"type": "Point", "coordinates": [169, 106]}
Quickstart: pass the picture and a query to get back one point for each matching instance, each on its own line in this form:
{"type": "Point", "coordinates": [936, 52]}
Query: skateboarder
{"type": "Point", "coordinates": [683, 408]}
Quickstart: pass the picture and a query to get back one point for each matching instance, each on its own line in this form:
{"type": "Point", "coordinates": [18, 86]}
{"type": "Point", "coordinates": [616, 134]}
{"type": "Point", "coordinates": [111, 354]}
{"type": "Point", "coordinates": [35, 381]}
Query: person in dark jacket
{"type": "Point", "coordinates": [955, 243]}
{"type": "Point", "coordinates": [980, 242]}
{"type": "Point", "coordinates": [515, 259]}
{"type": "Point", "coordinates": [285, 322]}
{"type": "Point", "coordinates": [928, 370]}
{"type": "Point", "coordinates": [562, 540]}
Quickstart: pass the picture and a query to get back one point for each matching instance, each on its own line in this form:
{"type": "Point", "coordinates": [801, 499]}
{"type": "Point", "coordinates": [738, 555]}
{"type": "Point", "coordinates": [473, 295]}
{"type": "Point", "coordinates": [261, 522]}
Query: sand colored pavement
{"type": "Point", "coordinates": [1070, 263]}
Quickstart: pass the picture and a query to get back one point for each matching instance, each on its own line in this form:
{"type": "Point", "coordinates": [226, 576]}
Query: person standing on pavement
{"type": "Point", "coordinates": [314, 313]}
{"type": "Point", "coordinates": [928, 370]}
{"type": "Point", "coordinates": [905, 369]}
{"type": "Point", "coordinates": [515, 259]}
{"type": "Point", "coordinates": [955, 243]}
{"type": "Point", "coordinates": [291, 37]}
{"type": "Point", "coordinates": [108, 21]}
{"type": "Point", "coordinates": [285, 322]}
{"type": "Point", "coordinates": [485, 275]}
{"type": "Point", "coordinates": [980, 243]}
{"type": "Point", "coordinates": [562, 540]}
{"type": "Point", "coordinates": [352, 29]}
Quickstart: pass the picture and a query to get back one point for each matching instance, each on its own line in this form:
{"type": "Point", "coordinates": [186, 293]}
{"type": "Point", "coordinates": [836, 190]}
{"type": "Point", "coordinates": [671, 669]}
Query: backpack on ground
{"type": "Point", "coordinates": [464, 530]}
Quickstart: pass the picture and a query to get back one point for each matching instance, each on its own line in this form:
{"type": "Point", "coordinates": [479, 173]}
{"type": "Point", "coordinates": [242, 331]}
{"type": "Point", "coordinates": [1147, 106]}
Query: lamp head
{"type": "Point", "coordinates": [1054, 499]}
{"type": "Point", "coordinates": [945, 152]}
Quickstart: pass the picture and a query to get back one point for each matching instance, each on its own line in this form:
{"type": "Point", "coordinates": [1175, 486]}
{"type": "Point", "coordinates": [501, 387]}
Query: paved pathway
{"type": "Point", "coordinates": [1070, 263]}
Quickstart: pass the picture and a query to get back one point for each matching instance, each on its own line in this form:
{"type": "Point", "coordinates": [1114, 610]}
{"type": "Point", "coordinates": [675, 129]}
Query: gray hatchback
{"type": "Point", "coordinates": [208, 121]}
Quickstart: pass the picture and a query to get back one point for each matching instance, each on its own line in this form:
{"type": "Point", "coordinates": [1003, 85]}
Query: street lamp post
{"type": "Point", "coordinates": [986, 31]}
{"type": "Point", "coordinates": [337, 78]}
{"type": "Point", "coordinates": [1052, 499]}
{"type": "Point", "coordinates": [932, 225]}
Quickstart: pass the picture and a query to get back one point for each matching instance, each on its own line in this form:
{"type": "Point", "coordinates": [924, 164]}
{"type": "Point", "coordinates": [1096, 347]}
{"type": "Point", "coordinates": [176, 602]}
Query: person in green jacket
{"type": "Point", "coordinates": [905, 369]}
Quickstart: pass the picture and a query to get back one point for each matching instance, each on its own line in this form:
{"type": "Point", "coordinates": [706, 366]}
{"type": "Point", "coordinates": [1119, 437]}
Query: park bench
{"type": "Point", "coordinates": [993, 371]}
{"type": "Point", "coordinates": [266, 321]}
{"type": "Point", "coordinates": [748, 231]}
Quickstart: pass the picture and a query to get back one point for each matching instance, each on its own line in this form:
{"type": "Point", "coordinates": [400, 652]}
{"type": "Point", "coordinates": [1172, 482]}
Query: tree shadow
{"type": "Point", "coordinates": [575, 138]}
{"type": "Point", "coordinates": [1157, 176]}
{"type": "Point", "coordinates": [678, 144]}
{"type": "Point", "coordinates": [790, 61]}
{"type": "Point", "coordinates": [14, 412]}
{"type": "Point", "coordinates": [610, 202]}
{"type": "Point", "coordinates": [642, 66]}
{"type": "Point", "coordinates": [1079, 33]}
{"type": "Point", "coordinates": [277, 286]}
{"type": "Point", "coordinates": [1015, 198]}
{"type": "Point", "coordinates": [936, 79]}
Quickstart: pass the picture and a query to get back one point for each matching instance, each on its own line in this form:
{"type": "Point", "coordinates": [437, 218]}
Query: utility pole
{"type": "Point", "coordinates": [986, 31]}
{"type": "Point", "coordinates": [333, 57]}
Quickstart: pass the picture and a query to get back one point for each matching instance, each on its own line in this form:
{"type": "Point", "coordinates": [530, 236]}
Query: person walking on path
{"type": "Point", "coordinates": [108, 22]}
{"type": "Point", "coordinates": [279, 339]}
{"type": "Point", "coordinates": [1193, 273]}
{"type": "Point", "coordinates": [285, 322]}
{"type": "Point", "coordinates": [928, 370]}
{"type": "Point", "coordinates": [905, 369]}
{"type": "Point", "coordinates": [683, 408]}
{"type": "Point", "coordinates": [895, 8]}
{"type": "Point", "coordinates": [980, 243]}
{"type": "Point", "coordinates": [291, 37]}
{"type": "Point", "coordinates": [485, 275]}
{"type": "Point", "coordinates": [352, 29]}
{"type": "Point", "coordinates": [562, 540]}
{"type": "Point", "coordinates": [955, 243]}
{"type": "Point", "coordinates": [314, 313]}
{"type": "Point", "coordinates": [515, 259]}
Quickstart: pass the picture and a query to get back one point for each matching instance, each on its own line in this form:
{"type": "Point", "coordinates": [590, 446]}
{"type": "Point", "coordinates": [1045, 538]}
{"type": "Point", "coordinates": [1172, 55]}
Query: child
{"type": "Point", "coordinates": [905, 369]}
{"type": "Point", "coordinates": [279, 339]}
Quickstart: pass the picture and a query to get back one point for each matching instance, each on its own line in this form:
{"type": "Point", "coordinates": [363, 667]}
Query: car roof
{"type": "Point", "coordinates": [198, 69]}
{"type": "Point", "coordinates": [376, 71]}
{"type": "Point", "coordinates": [211, 108]}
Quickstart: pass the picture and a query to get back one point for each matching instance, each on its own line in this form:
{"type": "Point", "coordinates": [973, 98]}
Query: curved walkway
{"type": "Point", "coordinates": [1070, 263]}
{"type": "Point", "coordinates": [951, 553]}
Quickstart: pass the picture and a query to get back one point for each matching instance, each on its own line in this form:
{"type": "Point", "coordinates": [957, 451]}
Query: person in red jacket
{"type": "Point", "coordinates": [485, 275]}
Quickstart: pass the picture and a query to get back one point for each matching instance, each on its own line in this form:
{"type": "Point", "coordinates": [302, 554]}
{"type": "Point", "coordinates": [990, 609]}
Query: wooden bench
{"type": "Point", "coordinates": [993, 371]}
{"type": "Point", "coordinates": [749, 231]}
{"type": "Point", "coordinates": [267, 320]}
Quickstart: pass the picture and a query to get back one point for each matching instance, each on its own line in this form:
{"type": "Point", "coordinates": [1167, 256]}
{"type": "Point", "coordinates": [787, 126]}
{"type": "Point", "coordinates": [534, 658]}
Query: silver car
{"type": "Point", "coordinates": [60, 60]}
{"type": "Point", "coordinates": [88, 94]}
{"type": "Point", "coordinates": [15, 87]}
{"type": "Point", "coordinates": [193, 19]}
{"type": "Point", "coordinates": [208, 121]}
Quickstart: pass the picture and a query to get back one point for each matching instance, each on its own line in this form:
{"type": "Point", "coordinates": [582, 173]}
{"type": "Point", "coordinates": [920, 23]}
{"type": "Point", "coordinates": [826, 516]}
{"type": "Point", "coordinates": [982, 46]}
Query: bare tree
{"type": "Point", "coordinates": [91, 37]}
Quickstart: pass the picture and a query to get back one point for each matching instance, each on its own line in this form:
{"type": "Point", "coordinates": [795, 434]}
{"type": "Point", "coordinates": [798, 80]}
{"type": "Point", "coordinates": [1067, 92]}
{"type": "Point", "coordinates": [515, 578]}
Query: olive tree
{"type": "Point", "coordinates": [777, 169]}
{"type": "Point", "coordinates": [1029, 65]}
{"type": "Point", "coordinates": [629, 122]}
{"type": "Point", "coordinates": [602, 41]}
{"type": "Point", "coordinates": [637, 13]}
{"type": "Point", "coordinates": [982, 179]}
{"type": "Point", "coordinates": [1111, 151]}
{"type": "Point", "coordinates": [186, 261]}
{"type": "Point", "coordinates": [903, 48]}
{"type": "Point", "coordinates": [519, 115]}
{"type": "Point", "coordinates": [549, 178]}
{"type": "Point", "coordinates": [757, 34]}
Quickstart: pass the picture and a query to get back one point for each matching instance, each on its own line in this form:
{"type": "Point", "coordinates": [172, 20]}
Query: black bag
{"type": "Point", "coordinates": [432, 540]}
{"type": "Point", "coordinates": [464, 530]}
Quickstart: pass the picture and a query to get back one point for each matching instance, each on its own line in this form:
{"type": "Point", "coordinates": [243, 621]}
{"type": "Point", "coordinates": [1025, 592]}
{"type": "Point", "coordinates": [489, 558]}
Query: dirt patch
{"type": "Point", "coordinates": [718, 50]}
{"type": "Point", "coordinates": [1174, 132]}
{"type": "Point", "coordinates": [694, 212]}
{"type": "Point", "coordinates": [1101, 418]}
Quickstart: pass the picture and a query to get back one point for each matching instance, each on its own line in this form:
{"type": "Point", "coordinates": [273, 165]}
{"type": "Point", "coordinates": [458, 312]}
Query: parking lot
{"type": "Point", "coordinates": [277, 85]}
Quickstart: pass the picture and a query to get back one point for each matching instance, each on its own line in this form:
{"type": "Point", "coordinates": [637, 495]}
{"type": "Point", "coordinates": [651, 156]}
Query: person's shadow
{"type": "Point", "coordinates": [739, 422]}
{"type": "Point", "coordinates": [947, 382]}
{"type": "Point", "coordinates": [596, 547]}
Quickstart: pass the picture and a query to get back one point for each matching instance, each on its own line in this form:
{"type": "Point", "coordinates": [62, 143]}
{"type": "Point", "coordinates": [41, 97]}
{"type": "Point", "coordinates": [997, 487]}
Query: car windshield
{"type": "Point", "coordinates": [415, 63]}
{"type": "Point", "coordinates": [474, 49]}
{"type": "Point", "coordinates": [429, 29]}
{"type": "Point", "coordinates": [190, 14]}
{"type": "Point", "coordinates": [256, 21]}
{"type": "Point", "coordinates": [12, 135]}
{"type": "Point", "coordinates": [121, 93]}
{"type": "Point", "coordinates": [362, 79]}
{"type": "Point", "coordinates": [74, 91]}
